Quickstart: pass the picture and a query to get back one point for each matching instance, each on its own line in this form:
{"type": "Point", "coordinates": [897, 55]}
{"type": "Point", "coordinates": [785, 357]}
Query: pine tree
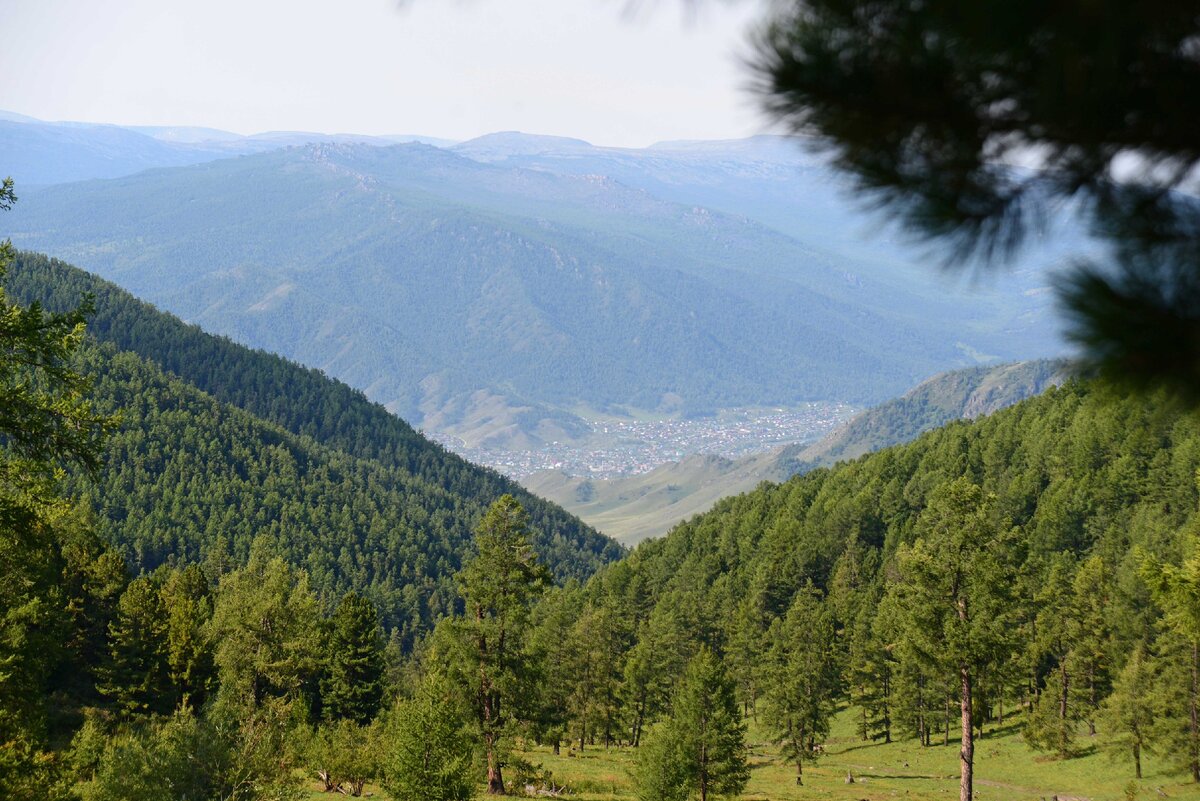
{"type": "Point", "coordinates": [803, 679]}
{"type": "Point", "coordinates": [352, 688]}
{"type": "Point", "coordinates": [426, 751]}
{"type": "Point", "coordinates": [700, 749]}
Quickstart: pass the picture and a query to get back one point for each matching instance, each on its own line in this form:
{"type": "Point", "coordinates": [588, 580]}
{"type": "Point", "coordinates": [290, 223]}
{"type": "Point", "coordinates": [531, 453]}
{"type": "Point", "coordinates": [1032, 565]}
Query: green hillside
{"type": "Point", "coordinates": [633, 508]}
{"type": "Point", "coordinates": [219, 444]}
{"type": "Point", "coordinates": [1066, 524]}
{"type": "Point", "coordinates": [967, 393]}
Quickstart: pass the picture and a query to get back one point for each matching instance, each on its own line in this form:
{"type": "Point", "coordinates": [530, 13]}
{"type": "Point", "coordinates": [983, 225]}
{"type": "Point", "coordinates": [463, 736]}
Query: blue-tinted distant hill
{"type": "Point", "coordinates": [446, 285]}
{"type": "Point", "coordinates": [35, 152]}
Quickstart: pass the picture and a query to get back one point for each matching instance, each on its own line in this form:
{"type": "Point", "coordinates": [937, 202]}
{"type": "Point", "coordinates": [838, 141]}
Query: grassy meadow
{"type": "Point", "coordinates": [1006, 769]}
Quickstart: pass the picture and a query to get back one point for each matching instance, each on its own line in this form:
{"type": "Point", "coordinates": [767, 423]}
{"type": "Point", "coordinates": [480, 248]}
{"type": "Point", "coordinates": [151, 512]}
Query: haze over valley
{"type": "Point", "coordinates": [532, 302]}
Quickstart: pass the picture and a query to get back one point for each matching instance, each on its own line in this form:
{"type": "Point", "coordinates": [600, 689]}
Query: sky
{"type": "Point", "coordinates": [600, 70]}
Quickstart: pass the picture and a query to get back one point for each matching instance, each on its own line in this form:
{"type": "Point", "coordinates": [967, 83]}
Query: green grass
{"type": "Point", "coordinates": [1006, 770]}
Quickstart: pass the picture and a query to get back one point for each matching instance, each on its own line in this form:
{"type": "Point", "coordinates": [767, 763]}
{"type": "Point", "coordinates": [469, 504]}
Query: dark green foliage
{"type": "Point", "coordinates": [46, 423]}
{"type": "Point", "coordinates": [928, 106]}
{"type": "Point", "coordinates": [491, 661]}
{"type": "Point", "coordinates": [352, 687]}
{"type": "Point", "coordinates": [188, 604]}
{"type": "Point", "coordinates": [699, 750]}
{"type": "Point", "coordinates": [219, 444]}
{"type": "Point", "coordinates": [803, 679]}
{"type": "Point", "coordinates": [138, 675]}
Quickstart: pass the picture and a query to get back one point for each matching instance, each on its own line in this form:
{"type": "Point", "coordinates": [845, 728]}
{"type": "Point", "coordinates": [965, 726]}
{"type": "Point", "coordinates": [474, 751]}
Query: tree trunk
{"type": "Point", "coordinates": [1092, 699]}
{"type": "Point", "coordinates": [966, 754]}
{"type": "Point", "coordinates": [1194, 714]}
{"type": "Point", "coordinates": [799, 772]}
{"type": "Point", "coordinates": [863, 723]}
{"type": "Point", "coordinates": [1062, 698]}
{"type": "Point", "coordinates": [1137, 760]}
{"type": "Point", "coordinates": [495, 781]}
{"type": "Point", "coordinates": [557, 747]}
{"type": "Point", "coordinates": [946, 723]}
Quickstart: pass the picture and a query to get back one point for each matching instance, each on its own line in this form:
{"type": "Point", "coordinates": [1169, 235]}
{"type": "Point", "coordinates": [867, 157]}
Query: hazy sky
{"type": "Point", "coordinates": [450, 68]}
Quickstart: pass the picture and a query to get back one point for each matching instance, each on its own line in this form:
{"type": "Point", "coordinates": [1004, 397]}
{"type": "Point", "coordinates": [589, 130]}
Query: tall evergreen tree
{"type": "Point", "coordinates": [352, 687]}
{"type": "Point", "coordinates": [699, 751]}
{"type": "Point", "coordinates": [1127, 716]}
{"type": "Point", "coordinates": [955, 583]}
{"type": "Point", "coordinates": [188, 605]}
{"type": "Point", "coordinates": [497, 586]}
{"type": "Point", "coordinates": [138, 676]}
{"type": "Point", "coordinates": [803, 679]}
{"type": "Point", "coordinates": [1176, 588]}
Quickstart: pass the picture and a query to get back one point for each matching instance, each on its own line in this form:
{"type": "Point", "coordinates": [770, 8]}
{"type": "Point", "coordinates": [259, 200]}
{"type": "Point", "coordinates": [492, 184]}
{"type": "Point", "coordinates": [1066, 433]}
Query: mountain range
{"type": "Point", "coordinates": [503, 292]}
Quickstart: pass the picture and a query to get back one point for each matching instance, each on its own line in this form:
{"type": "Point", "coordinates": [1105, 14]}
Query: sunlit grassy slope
{"type": "Point", "coordinates": [1006, 770]}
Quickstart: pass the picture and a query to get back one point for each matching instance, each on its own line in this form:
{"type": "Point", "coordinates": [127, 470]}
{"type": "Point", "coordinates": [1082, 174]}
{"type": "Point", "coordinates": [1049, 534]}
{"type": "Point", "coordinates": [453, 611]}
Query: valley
{"type": "Point", "coordinates": [849, 450]}
{"type": "Point", "coordinates": [615, 447]}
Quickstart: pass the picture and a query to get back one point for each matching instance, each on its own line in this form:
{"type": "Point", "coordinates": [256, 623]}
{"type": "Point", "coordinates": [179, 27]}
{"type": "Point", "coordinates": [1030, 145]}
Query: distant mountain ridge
{"type": "Point", "coordinates": [648, 505]}
{"type": "Point", "coordinates": [425, 277]}
{"type": "Point", "coordinates": [36, 152]}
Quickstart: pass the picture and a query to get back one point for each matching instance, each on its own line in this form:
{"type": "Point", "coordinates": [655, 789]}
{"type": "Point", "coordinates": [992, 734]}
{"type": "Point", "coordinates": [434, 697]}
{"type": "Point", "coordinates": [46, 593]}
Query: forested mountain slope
{"type": "Point", "coordinates": [1042, 559]}
{"type": "Point", "coordinates": [968, 393]}
{"type": "Point", "coordinates": [219, 443]}
{"type": "Point", "coordinates": [424, 277]}
{"type": "Point", "coordinates": [633, 508]}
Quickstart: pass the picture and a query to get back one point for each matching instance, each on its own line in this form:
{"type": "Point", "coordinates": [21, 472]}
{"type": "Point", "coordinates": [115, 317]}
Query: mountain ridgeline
{"type": "Point", "coordinates": [484, 294]}
{"type": "Point", "coordinates": [219, 444]}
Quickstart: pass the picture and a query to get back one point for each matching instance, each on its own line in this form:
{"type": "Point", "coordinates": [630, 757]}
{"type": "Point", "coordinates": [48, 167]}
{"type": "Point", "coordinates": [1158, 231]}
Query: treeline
{"type": "Point", "coordinates": [304, 402]}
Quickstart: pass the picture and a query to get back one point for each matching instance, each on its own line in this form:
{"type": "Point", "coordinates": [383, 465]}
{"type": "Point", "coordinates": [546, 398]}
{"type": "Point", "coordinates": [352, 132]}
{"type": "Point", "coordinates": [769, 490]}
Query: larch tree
{"type": "Point", "coordinates": [955, 588]}
{"type": "Point", "coordinates": [1127, 716]}
{"type": "Point", "coordinates": [497, 586]}
{"type": "Point", "coordinates": [426, 750]}
{"type": "Point", "coordinates": [1176, 588]}
{"type": "Point", "coordinates": [803, 679]}
{"type": "Point", "coordinates": [699, 750]}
